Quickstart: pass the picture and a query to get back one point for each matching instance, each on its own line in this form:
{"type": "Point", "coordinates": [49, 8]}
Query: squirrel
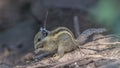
{"type": "Point", "coordinates": [60, 39]}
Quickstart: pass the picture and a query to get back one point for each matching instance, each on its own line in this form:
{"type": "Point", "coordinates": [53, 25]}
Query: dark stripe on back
{"type": "Point", "coordinates": [56, 31]}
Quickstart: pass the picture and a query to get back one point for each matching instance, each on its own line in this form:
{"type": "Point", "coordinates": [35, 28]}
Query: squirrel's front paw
{"type": "Point", "coordinates": [36, 51]}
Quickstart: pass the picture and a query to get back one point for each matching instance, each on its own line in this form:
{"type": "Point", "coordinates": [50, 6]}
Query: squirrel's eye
{"type": "Point", "coordinates": [39, 39]}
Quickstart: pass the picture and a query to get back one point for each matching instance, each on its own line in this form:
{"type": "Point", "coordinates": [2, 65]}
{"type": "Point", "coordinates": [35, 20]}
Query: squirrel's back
{"type": "Point", "coordinates": [60, 31]}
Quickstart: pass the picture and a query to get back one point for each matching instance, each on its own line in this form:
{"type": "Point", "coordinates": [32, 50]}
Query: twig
{"type": "Point", "coordinates": [113, 43]}
{"type": "Point", "coordinates": [76, 26]}
{"type": "Point", "coordinates": [45, 21]}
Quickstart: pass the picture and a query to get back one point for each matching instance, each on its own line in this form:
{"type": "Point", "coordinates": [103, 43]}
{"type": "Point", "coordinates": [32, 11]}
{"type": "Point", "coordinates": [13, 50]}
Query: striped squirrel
{"type": "Point", "coordinates": [60, 39]}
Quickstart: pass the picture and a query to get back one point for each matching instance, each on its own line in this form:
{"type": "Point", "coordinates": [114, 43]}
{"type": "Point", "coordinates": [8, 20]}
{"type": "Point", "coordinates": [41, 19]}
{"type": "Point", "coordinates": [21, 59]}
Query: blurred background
{"type": "Point", "coordinates": [20, 20]}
